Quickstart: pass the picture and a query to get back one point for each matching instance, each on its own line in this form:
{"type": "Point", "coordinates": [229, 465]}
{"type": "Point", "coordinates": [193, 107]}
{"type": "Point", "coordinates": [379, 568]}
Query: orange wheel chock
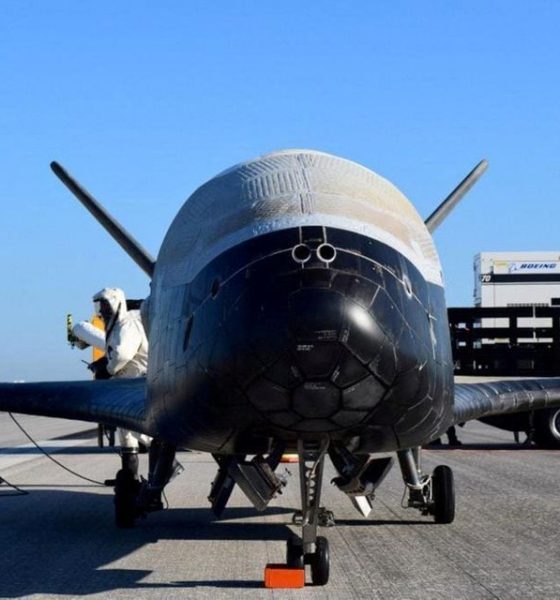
{"type": "Point", "coordinates": [282, 576]}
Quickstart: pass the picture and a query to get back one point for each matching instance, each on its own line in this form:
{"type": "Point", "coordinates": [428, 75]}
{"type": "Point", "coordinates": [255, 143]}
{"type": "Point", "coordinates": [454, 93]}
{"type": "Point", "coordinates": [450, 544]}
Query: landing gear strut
{"type": "Point", "coordinates": [431, 494]}
{"type": "Point", "coordinates": [136, 498]}
{"type": "Point", "coordinates": [311, 549]}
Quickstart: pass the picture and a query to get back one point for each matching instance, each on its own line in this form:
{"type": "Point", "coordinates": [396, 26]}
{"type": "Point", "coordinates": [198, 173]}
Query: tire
{"type": "Point", "coordinates": [294, 553]}
{"type": "Point", "coordinates": [320, 562]}
{"type": "Point", "coordinates": [547, 427]}
{"type": "Point", "coordinates": [443, 489]}
{"type": "Point", "coordinates": [126, 490]}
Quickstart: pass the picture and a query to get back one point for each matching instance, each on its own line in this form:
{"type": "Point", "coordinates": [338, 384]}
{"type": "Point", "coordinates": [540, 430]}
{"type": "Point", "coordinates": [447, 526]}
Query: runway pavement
{"type": "Point", "coordinates": [59, 540]}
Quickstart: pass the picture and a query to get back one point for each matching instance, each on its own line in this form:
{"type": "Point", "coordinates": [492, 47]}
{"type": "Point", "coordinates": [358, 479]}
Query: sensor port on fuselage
{"type": "Point", "coordinates": [326, 253]}
{"type": "Point", "coordinates": [301, 253]}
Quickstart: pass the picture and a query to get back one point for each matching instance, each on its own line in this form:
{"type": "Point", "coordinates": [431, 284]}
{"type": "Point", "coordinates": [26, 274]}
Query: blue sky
{"type": "Point", "coordinates": [145, 101]}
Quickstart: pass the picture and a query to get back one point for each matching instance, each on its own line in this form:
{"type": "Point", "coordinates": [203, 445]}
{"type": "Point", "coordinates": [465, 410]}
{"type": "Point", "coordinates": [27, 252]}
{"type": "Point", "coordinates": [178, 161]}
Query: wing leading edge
{"type": "Point", "coordinates": [119, 402]}
{"type": "Point", "coordinates": [475, 400]}
{"type": "Point", "coordinates": [122, 402]}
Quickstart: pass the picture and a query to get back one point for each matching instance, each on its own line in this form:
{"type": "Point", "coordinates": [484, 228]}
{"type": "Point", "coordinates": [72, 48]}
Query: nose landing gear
{"type": "Point", "coordinates": [315, 550]}
{"type": "Point", "coordinates": [310, 549]}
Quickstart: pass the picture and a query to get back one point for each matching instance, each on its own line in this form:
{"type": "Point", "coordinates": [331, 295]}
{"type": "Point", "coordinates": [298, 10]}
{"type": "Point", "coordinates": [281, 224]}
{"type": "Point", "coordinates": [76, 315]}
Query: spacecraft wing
{"type": "Point", "coordinates": [475, 400]}
{"type": "Point", "coordinates": [119, 402]}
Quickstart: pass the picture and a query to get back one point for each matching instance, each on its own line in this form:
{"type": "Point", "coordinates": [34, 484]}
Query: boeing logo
{"type": "Point", "coordinates": [540, 266]}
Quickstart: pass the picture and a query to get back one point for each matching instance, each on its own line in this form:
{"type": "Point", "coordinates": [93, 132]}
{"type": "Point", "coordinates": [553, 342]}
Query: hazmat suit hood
{"type": "Point", "coordinates": [116, 299]}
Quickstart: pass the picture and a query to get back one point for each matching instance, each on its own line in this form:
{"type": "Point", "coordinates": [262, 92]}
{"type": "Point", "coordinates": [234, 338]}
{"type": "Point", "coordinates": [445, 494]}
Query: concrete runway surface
{"type": "Point", "coordinates": [59, 540]}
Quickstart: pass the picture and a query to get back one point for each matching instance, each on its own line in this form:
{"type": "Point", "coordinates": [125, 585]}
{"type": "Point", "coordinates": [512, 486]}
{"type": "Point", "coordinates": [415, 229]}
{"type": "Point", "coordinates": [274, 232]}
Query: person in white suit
{"type": "Point", "coordinates": [126, 355]}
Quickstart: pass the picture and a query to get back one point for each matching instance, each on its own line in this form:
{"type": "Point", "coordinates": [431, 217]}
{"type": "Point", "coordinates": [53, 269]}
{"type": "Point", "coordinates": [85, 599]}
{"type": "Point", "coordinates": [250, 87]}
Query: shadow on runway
{"type": "Point", "coordinates": [65, 486]}
{"type": "Point", "coordinates": [64, 542]}
{"type": "Point", "coordinates": [248, 583]}
{"type": "Point", "coordinates": [377, 522]}
{"type": "Point", "coordinates": [488, 446]}
{"type": "Point", "coordinates": [57, 450]}
{"type": "Point", "coordinates": [87, 434]}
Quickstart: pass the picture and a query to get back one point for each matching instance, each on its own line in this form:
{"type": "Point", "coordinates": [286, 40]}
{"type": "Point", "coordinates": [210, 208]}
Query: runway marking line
{"type": "Point", "coordinates": [15, 455]}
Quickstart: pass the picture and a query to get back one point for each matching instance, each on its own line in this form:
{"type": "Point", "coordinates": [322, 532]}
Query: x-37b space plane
{"type": "Point", "coordinates": [297, 305]}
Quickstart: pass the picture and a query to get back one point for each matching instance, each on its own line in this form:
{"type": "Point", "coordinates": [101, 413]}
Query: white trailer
{"type": "Point", "coordinates": [517, 279]}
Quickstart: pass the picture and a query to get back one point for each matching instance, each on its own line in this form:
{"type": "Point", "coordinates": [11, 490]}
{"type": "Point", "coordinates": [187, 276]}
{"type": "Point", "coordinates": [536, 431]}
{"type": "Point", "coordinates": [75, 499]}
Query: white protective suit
{"type": "Point", "coordinates": [89, 335]}
{"type": "Point", "coordinates": [127, 349]}
{"type": "Point", "coordinates": [125, 339]}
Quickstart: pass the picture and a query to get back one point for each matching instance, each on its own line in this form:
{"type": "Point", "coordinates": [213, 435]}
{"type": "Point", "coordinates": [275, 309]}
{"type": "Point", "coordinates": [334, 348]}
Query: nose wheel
{"type": "Point", "coordinates": [320, 562]}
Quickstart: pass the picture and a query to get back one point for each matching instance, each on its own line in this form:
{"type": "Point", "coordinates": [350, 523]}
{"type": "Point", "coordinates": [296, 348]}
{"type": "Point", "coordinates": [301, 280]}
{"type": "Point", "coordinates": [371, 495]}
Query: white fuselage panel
{"type": "Point", "coordinates": [288, 189]}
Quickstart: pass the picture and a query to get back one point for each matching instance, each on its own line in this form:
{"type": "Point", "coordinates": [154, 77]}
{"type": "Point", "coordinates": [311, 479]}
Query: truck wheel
{"type": "Point", "coordinates": [547, 427]}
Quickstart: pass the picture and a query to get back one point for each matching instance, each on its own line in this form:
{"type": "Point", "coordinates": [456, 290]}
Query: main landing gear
{"type": "Point", "coordinates": [311, 549]}
{"type": "Point", "coordinates": [431, 494]}
{"type": "Point", "coordinates": [136, 498]}
{"type": "Point", "coordinates": [127, 488]}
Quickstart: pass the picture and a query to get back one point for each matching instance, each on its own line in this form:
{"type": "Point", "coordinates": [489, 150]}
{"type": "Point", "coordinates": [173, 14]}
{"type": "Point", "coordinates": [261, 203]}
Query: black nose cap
{"type": "Point", "coordinates": [323, 382]}
{"type": "Point", "coordinates": [316, 315]}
